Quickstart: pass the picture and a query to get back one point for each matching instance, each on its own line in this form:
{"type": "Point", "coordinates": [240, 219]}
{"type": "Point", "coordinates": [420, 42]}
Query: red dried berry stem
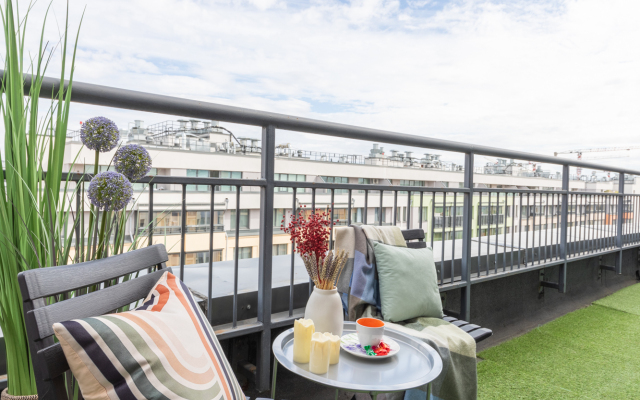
{"type": "Point", "coordinates": [310, 234]}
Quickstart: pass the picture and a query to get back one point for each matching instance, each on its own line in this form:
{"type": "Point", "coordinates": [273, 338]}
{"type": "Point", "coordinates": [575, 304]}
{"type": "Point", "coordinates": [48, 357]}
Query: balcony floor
{"type": "Point", "coordinates": [589, 353]}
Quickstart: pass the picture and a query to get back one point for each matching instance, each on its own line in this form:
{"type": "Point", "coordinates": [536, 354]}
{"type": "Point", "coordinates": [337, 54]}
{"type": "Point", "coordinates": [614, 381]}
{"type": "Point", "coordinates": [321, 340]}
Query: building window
{"type": "Point", "coordinates": [337, 179]}
{"type": "Point", "coordinates": [166, 222]}
{"type": "Point", "coordinates": [278, 216]}
{"type": "Point", "coordinates": [425, 213]}
{"type": "Point", "coordinates": [357, 215]}
{"type": "Point", "coordinates": [401, 214]}
{"type": "Point", "coordinates": [366, 181]}
{"type": "Point", "coordinates": [202, 173]}
{"type": "Point", "coordinates": [494, 210]}
{"type": "Point", "coordinates": [411, 183]}
{"type": "Point", "coordinates": [197, 173]}
{"type": "Point", "coordinates": [279, 249]}
{"type": "Point", "coordinates": [243, 253]}
{"type": "Point", "coordinates": [437, 236]}
{"type": "Point", "coordinates": [288, 178]}
{"type": "Point", "coordinates": [244, 219]}
{"type": "Point", "coordinates": [199, 221]}
{"type": "Point", "coordinates": [169, 223]}
{"type": "Point", "coordinates": [340, 216]}
{"type": "Point", "coordinates": [376, 218]}
{"type": "Point", "coordinates": [194, 257]}
{"type": "Point", "coordinates": [225, 175]}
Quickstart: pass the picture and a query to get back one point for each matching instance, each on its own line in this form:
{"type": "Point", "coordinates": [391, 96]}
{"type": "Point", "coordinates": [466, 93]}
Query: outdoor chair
{"type": "Point", "coordinates": [415, 240]}
{"type": "Point", "coordinates": [68, 284]}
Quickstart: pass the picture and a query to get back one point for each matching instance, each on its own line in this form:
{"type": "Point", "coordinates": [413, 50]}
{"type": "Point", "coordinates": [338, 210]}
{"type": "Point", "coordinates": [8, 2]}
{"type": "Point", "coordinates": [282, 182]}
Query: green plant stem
{"type": "Point", "coordinates": [102, 235]}
{"type": "Point", "coordinates": [91, 210]}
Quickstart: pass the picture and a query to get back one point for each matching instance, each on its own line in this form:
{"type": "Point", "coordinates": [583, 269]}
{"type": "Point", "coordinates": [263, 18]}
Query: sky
{"type": "Point", "coordinates": [536, 76]}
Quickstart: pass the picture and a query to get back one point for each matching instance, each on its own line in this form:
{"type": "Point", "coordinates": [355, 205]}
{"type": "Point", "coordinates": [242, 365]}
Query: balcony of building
{"type": "Point", "coordinates": [517, 258]}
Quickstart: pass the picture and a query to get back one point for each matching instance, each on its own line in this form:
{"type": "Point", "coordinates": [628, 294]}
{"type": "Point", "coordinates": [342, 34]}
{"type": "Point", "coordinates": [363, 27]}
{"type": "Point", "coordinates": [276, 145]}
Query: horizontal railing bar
{"type": "Point", "coordinates": [502, 190]}
{"type": "Point", "coordinates": [496, 190]}
{"type": "Point", "coordinates": [280, 322]}
{"type": "Point", "coordinates": [177, 180]}
{"type": "Point", "coordinates": [99, 95]}
{"type": "Point", "coordinates": [451, 286]}
{"type": "Point", "coordinates": [358, 186]}
{"type": "Point", "coordinates": [598, 193]}
{"type": "Point", "coordinates": [597, 253]}
{"type": "Point", "coordinates": [226, 332]}
{"type": "Point", "coordinates": [528, 268]}
{"type": "Point", "coordinates": [547, 264]}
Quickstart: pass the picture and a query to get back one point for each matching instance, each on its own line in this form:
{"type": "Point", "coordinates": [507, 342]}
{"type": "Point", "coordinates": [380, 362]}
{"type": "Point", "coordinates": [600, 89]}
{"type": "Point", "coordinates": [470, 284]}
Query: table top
{"type": "Point", "coordinates": [415, 365]}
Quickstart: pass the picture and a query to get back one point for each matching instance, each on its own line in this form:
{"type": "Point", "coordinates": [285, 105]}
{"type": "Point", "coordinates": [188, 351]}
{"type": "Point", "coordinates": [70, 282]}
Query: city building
{"type": "Point", "coordinates": [192, 148]}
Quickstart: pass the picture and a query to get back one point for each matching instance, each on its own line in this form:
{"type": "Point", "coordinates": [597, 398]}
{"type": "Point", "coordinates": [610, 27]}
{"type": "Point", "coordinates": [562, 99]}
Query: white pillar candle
{"type": "Point", "coordinates": [320, 354]}
{"type": "Point", "coordinates": [303, 329]}
{"type": "Point", "coordinates": [335, 347]}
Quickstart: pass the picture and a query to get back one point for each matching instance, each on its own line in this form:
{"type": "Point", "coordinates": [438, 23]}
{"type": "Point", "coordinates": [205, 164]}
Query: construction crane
{"type": "Point", "coordinates": [597, 150]}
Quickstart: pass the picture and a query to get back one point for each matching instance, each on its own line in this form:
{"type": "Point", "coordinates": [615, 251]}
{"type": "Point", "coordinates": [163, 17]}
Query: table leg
{"type": "Point", "coordinates": [273, 379]}
{"type": "Point", "coordinates": [429, 391]}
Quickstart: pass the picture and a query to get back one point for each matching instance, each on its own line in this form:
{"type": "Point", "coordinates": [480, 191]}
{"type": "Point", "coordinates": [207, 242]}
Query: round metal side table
{"type": "Point", "coordinates": [416, 365]}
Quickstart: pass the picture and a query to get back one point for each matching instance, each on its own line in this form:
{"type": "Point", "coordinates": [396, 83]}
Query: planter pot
{"type": "Point", "coordinates": [325, 309]}
{"type": "Point", "coordinates": [7, 396]}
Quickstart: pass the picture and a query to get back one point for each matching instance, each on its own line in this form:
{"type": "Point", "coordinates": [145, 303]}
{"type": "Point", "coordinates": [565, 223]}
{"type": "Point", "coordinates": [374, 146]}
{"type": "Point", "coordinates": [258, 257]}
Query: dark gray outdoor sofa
{"type": "Point", "coordinates": [50, 364]}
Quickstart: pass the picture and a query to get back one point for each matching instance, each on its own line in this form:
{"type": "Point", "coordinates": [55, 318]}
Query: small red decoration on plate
{"type": "Point", "coordinates": [382, 349]}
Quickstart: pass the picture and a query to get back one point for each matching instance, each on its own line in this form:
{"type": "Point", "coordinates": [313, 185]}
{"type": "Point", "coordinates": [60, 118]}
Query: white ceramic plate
{"type": "Point", "coordinates": [351, 345]}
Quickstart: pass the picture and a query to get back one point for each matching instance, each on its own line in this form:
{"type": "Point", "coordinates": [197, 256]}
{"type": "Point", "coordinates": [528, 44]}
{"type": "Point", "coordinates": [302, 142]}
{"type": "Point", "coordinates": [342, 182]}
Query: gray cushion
{"type": "Point", "coordinates": [408, 283]}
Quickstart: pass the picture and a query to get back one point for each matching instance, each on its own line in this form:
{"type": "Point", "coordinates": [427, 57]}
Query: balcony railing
{"type": "Point", "coordinates": [467, 259]}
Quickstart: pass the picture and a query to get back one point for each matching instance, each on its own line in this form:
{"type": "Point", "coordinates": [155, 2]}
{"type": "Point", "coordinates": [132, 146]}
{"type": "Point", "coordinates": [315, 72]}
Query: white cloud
{"type": "Point", "coordinates": [532, 76]}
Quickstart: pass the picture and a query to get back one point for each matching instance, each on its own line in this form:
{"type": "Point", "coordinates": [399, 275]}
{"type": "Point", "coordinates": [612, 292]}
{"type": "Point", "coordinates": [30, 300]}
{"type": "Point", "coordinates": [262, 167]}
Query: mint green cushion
{"type": "Point", "coordinates": [408, 283]}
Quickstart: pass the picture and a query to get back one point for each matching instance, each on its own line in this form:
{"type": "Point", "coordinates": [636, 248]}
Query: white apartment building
{"type": "Point", "coordinates": [190, 148]}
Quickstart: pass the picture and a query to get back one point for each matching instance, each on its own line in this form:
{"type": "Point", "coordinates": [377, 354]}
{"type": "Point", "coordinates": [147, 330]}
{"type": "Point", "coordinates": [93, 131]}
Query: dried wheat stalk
{"type": "Point", "coordinates": [330, 267]}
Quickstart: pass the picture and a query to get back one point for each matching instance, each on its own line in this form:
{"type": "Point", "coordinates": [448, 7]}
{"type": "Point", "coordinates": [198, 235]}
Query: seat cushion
{"type": "Point", "coordinates": [408, 283]}
{"type": "Point", "coordinates": [163, 349]}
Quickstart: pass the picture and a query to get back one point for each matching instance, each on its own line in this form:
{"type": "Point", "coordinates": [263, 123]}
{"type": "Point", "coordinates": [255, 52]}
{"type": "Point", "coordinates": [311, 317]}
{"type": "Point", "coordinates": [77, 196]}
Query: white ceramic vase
{"type": "Point", "coordinates": [325, 309]}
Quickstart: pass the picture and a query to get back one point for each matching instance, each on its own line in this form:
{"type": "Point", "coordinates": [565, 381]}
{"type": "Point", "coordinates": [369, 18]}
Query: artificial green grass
{"type": "Point", "coordinates": [591, 353]}
{"type": "Point", "coordinates": [627, 300]}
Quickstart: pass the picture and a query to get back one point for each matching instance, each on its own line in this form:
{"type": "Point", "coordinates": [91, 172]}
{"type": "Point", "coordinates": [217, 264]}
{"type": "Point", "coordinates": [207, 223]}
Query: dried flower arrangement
{"type": "Point", "coordinates": [310, 236]}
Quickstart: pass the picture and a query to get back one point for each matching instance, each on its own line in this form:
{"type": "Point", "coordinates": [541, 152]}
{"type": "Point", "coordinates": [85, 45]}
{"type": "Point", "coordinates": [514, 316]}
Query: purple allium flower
{"type": "Point", "coordinates": [132, 161]}
{"type": "Point", "coordinates": [100, 134]}
{"type": "Point", "coordinates": [110, 191]}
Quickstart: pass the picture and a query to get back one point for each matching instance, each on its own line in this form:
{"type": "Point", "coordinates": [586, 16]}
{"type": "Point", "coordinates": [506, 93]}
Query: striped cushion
{"type": "Point", "coordinates": [165, 349]}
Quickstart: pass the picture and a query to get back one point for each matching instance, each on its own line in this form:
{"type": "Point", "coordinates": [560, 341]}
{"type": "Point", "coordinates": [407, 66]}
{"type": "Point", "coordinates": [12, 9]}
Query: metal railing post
{"type": "Point", "coordinates": [619, 222]}
{"type": "Point", "coordinates": [467, 212]}
{"type": "Point", "coordinates": [564, 226]}
{"type": "Point", "coordinates": [263, 363]}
